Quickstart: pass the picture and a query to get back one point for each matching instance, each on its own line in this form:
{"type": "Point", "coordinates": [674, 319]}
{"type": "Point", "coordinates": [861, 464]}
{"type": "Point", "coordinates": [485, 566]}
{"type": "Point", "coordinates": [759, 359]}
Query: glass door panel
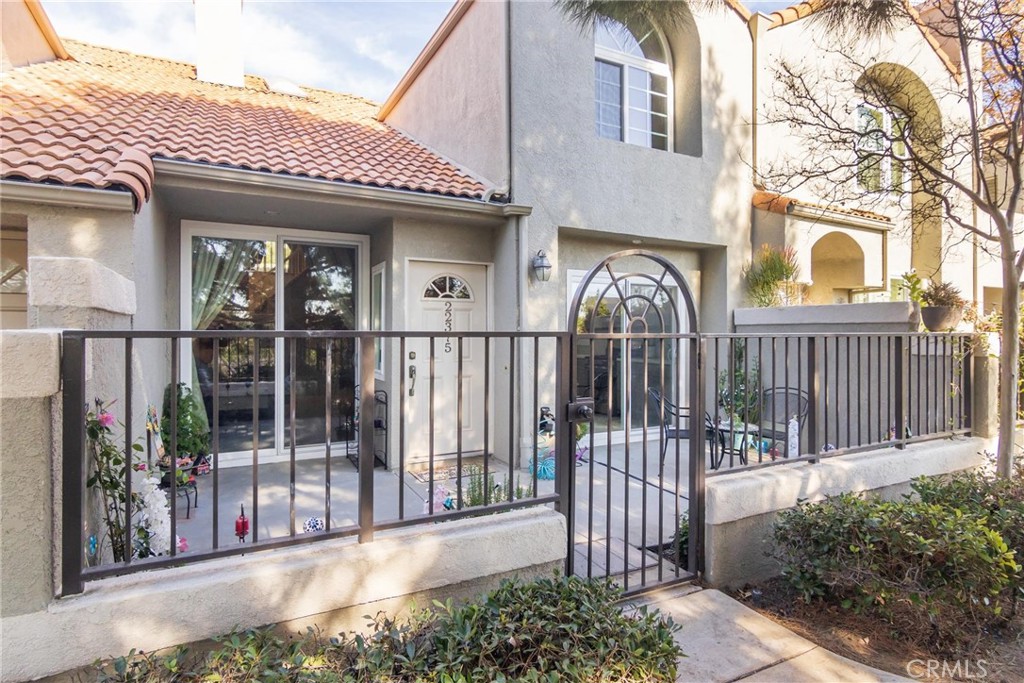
{"type": "Point", "coordinates": [656, 358]}
{"type": "Point", "coordinates": [599, 361]}
{"type": "Point", "coordinates": [233, 288]}
{"type": "Point", "coordinates": [319, 293]}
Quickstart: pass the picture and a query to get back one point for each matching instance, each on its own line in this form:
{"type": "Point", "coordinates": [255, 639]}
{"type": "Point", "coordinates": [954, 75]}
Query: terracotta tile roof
{"type": "Point", "coordinates": [777, 203]}
{"type": "Point", "coordinates": [788, 15]}
{"type": "Point", "coordinates": [98, 119]}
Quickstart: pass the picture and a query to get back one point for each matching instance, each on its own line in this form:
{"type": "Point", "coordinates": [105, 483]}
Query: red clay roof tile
{"type": "Point", "coordinates": [99, 119]}
{"type": "Point", "coordinates": [777, 203]}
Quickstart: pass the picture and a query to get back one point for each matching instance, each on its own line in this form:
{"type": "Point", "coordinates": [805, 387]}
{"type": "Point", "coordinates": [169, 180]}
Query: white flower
{"type": "Point", "coordinates": [156, 516]}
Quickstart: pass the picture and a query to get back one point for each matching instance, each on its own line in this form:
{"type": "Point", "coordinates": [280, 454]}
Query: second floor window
{"type": "Point", "coordinates": [631, 85]}
{"type": "Point", "coordinates": [882, 159]}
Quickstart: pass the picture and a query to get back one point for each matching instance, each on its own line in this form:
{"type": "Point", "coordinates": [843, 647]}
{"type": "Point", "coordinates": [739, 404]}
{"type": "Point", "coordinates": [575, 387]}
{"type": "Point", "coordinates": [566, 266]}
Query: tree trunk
{"type": "Point", "coordinates": [1009, 357]}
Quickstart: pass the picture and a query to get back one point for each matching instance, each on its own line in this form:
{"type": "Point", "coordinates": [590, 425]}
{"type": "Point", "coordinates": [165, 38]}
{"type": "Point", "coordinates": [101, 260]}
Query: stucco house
{"type": "Point", "coordinates": [203, 204]}
{"type": "Point", "coordinates": [484, 157]}
{"type": "Point", "coordinates": [697, 107]}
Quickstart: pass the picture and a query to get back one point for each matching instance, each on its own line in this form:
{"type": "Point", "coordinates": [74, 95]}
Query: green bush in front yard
{"type": "Point", "coordinates": [999, 501]}
{"type": "Point", "coordinates": [560, 629]}
{"type": "Point", "coordinates": [939, 573]}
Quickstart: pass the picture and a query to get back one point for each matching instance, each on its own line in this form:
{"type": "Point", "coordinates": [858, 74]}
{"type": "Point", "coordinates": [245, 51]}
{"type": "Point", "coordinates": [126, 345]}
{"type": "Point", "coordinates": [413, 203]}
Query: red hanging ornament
{"type": "Point", "coordinates": [242, 526]}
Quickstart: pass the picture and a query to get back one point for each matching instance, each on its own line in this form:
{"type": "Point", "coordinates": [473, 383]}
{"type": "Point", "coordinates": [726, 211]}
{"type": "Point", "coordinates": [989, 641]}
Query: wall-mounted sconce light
{"type": "Point", "coordinates": [541, 266]}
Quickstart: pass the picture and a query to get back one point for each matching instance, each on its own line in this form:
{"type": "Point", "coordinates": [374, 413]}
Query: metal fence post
{"type": "Point", "coordinates": [72, 465]}
{"type": "Point", "coordinates": [899, 380]}
{"type": "Point", "coordinates": [967, 387]}
{"type": "Point", "coordinates": [565, 431]}
{"type": "Point", "coordinates": [366, 413]}
{"type": "Point", "coordinates": [813, 389]}
{"type": "Point", "coordinates": [695, 550]}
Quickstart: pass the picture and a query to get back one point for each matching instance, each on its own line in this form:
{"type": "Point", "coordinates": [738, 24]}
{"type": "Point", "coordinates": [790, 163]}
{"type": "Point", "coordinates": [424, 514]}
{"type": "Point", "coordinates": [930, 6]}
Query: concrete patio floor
{"type": "Point", "coordinates": [620, 514]}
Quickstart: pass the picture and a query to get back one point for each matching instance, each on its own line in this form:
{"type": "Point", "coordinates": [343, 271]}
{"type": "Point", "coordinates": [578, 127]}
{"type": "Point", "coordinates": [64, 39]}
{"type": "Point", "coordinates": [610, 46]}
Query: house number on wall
{"type": "Point", "coordinates": [448, 325]}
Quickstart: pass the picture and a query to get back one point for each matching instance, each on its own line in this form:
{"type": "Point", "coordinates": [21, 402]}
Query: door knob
{"type": "Point", "coordinates": [412, 376]}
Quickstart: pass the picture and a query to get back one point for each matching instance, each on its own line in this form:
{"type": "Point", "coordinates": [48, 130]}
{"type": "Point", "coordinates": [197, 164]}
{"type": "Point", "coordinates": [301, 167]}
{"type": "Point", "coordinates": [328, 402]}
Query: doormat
{"type": "Point", "coordinates": [448, 468]}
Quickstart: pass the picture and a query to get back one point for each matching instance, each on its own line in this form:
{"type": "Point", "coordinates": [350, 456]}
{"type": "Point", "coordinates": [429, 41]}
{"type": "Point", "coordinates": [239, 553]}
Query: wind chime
{"type": "Point", "coordinates": [242, 526]}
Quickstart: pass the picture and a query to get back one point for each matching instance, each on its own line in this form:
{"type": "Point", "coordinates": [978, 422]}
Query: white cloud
{"type": "Point", "coordinates": [357, 47]}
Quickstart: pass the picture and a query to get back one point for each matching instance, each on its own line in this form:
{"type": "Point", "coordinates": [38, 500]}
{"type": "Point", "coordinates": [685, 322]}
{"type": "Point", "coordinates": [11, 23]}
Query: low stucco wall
{"type": "Point", "coordinates": [307, 584]}
{"type": "Point", "coordinates": [741, 508]}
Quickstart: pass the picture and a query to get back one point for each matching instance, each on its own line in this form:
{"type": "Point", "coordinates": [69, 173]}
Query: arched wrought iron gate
{"type": "Point", "coordinates": [637, 492]}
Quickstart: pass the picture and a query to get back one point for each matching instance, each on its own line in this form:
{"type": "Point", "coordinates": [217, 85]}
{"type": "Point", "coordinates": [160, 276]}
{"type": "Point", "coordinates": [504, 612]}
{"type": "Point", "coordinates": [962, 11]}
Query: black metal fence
{"type": "Point", "coordinates": [461, 415]}
{"type": "Point", "coordinates": [777, 398]}
{"type": "Point", "coordinates": [465, 393]}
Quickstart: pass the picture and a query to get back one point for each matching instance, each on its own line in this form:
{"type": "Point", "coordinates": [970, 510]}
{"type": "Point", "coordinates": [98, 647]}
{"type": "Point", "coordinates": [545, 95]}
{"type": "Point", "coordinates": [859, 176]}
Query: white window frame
{"type": "Point", "coordinates": [190, 229]}
{"type": "Point", "coordinates": [885, 162]}
{"type": "Point", "coordinates": [378, 286]}
{"type": "Point", "coordinates": [624, 61]}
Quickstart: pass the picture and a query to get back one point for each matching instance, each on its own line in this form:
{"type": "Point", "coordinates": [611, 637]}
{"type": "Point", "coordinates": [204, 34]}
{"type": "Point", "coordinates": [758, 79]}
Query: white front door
{"type": "Point", "coordinates": [445, 297]}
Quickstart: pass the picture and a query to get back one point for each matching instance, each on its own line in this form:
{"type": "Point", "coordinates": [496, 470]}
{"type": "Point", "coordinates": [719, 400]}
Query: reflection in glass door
{"type": "Point", "coordinates": [276, 283]}
{"type": "Point", "coordinates": [319, 293]}
{"type": "Point", "coordinates": [603, 372]}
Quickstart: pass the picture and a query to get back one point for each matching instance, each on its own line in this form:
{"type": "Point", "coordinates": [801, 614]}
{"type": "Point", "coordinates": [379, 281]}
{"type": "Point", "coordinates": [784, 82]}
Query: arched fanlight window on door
{"type": "Point", "coordinates": [448, 287]}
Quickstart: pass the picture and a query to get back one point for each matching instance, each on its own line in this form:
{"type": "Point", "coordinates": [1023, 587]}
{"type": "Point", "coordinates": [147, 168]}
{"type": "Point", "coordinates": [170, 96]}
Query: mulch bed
{"type": "Point", "coordinates": [873, 642]}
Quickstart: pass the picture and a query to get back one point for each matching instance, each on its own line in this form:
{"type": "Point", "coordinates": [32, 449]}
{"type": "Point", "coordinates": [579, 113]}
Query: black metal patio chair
{"type": "Point", "coordinates": [675, 424]}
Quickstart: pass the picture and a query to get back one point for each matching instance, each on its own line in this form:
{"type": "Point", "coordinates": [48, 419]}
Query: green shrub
{"type": "Point", "coordinates": [559, 629]}
{"type": "Point", "coordinates": [496, 492]}
{"type": "Point", "coordinates": [939, 574]}
{"type": "Point", "coordinates": [998, 501]}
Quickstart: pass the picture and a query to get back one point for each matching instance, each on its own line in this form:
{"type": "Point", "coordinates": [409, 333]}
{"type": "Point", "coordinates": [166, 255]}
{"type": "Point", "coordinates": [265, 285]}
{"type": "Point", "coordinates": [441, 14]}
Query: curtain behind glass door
{"type": "Point", "coordinates": [233, 288]}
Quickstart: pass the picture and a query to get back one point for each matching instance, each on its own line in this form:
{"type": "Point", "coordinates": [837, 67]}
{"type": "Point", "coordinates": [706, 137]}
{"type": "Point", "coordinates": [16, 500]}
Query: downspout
{"type": "Point", "coordinates": [520, 241]}
{"type": "Point", "coordinates": [757, 28]}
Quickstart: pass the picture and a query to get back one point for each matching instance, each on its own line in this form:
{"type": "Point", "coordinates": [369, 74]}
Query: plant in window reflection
{"type": "Point", "coordinates": [591, 310]}
{"type": "Point", "coordinates": [739, 387]}
{"type": "Point", "coordinates": [147, 514]}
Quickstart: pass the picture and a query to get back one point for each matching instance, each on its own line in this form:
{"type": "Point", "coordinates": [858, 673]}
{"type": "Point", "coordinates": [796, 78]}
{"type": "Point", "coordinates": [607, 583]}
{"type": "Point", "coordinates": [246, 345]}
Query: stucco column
{"type": "Point", "coordinates": [29, 379]}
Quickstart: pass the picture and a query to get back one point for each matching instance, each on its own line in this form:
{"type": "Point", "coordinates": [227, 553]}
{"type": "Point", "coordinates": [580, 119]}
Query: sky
{"type": "Point", "coordinates": [358, 47]}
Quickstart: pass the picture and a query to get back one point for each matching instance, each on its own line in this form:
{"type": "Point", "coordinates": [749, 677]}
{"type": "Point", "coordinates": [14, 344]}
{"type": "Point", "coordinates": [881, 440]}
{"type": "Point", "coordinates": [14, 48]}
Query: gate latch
{"type": "Point", "coordinates": [581, 410]}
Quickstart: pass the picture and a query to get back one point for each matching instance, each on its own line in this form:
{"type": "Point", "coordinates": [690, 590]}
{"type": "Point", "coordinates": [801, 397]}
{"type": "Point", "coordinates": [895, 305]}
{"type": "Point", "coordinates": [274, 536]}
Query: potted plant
{"type": "Point", "coordinates": [771, 278]}
{"type": "Point", "coordinates": [193, 433]}
{"type": "Point", "coordinates": [942, 306]}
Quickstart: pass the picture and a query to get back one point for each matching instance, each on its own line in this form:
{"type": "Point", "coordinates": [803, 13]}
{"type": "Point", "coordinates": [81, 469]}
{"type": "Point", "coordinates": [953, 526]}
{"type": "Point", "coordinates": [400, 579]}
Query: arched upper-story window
{"type": "Point", "coordinates": [882, 159]}
{"type": "Point", "coordinates": [632, 79]}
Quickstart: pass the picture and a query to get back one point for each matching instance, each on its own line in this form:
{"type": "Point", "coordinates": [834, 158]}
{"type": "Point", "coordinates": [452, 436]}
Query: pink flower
{"type": "Point", "coordinates": [105, 419]}
{"type": "Point", "coordinates": [139, 467]}
{"type": "Point", "coordinates": [182, 544]}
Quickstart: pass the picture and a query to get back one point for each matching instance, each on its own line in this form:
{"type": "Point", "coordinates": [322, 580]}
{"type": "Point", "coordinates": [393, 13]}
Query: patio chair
{"type": "Point", "coordinates": [777, 406]}
{"type": "Point", "coordinates": [675, 424]}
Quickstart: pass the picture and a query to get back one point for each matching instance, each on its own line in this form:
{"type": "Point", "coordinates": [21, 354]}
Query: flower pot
{"type": "Point", "coordinates": [941, 318]}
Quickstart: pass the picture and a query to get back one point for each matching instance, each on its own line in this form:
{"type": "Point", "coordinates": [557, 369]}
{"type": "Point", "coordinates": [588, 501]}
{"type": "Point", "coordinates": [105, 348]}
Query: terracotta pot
{"type": "Point", "coordinates": [941, 318]}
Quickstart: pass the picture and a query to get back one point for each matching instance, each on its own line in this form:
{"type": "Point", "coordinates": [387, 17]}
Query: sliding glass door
{"type": "Point", "coordinates": [262, 279]}
{"type": "Point", "coordinates": [319, 294]}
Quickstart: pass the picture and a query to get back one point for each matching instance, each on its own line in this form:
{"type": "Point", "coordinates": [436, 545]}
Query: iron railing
{"type": "Point", "coordinates": [491, 474]}
{"type": "Point", "coordinates": [845, 392]}
{"type": "Point", "coordinates": [777, 398]}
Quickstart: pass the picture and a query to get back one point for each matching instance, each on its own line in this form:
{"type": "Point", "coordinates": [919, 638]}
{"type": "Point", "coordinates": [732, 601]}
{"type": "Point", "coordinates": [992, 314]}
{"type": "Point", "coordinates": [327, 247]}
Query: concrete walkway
{"type": "Point", "coordinates": [725, 640]}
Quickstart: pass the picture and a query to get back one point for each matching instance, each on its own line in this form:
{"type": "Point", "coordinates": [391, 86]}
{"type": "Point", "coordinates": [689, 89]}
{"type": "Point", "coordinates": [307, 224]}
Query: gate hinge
{"type": "Point", "coordinates": [581, 410]}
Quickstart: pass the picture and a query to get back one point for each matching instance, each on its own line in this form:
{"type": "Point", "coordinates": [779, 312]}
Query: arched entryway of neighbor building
{"type": "Point", "coordinates": [837, 269]}
{"type": "Point", "coordinates": [638, 487]}
{"type": "Point", "coordinates": [904, 100]}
